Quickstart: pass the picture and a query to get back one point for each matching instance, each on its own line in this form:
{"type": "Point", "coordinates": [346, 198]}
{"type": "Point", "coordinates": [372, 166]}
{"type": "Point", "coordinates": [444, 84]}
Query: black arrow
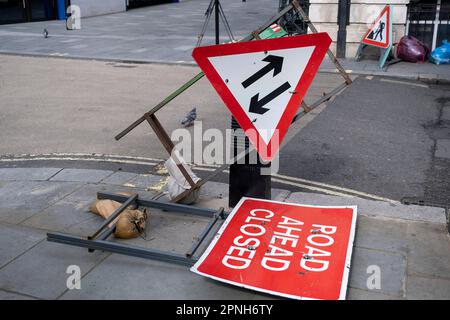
{"type": "Point", "coordinates": [275, 64]}
{"type": "Point", "coordinates": [256, 106]}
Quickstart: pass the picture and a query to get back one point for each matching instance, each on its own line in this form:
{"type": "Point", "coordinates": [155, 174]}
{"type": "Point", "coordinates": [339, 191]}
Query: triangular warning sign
{"type": "Point", "coordinates": [379, 34]}
{"type": "Point", "coordinates": [263, 82]}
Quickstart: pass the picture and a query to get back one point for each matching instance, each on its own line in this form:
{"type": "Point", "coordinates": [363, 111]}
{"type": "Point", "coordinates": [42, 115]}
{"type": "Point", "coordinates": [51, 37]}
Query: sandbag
{"type": "Point", "coordinates": [413, 50]}
{"type": "Point", "coordinates": [441, 55]}
{"type": "Point", "coordinates": [131, 224]}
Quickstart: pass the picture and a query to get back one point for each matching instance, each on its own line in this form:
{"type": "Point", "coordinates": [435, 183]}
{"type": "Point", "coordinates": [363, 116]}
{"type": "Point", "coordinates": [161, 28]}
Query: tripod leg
{"type": "Point", "coordinates": [225, 22]}
{"type": "Point", "coordinates": [205, 24]}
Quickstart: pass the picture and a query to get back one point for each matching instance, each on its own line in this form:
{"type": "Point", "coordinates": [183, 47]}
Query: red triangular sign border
{"type": "Point", "coordinates": [321, 41]}
{"type": "Point", "coordinates": [387, 10]}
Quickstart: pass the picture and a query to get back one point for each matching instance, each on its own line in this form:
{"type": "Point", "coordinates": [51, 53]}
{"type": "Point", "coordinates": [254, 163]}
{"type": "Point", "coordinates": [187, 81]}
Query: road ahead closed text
{"type": "Point", "coordinates": [286, 249]}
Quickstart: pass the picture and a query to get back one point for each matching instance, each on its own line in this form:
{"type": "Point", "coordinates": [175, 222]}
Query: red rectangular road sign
{"type": "Point", "coordinates": [290, 250]}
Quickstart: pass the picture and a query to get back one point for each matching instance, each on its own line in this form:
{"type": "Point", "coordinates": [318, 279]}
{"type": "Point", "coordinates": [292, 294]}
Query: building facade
{"type": "Point", "coordinates": [15, 11]}
{"type": "Point", "coordinates": [427, 20]}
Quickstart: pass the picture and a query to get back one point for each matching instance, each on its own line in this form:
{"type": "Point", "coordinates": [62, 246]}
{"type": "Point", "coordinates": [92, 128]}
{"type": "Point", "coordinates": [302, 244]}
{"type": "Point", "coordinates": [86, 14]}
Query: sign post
{"type": "Point", "coordinates": [291, 250]}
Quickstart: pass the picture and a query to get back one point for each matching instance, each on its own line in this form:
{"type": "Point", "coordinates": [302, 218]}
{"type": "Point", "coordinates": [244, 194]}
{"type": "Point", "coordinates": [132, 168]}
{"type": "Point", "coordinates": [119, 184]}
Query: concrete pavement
{"type": "Point", "coordinates": [141, 35]}
{"type": "Point", "coordinates": [412, 250]}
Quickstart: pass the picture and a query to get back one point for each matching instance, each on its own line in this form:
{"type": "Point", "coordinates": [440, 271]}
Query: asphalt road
{"type": "Point", "coordinates": [382, 137]}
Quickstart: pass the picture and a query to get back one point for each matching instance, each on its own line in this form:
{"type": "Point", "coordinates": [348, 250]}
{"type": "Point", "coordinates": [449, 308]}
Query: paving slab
{"type": "Point", "coordinates": [5, 295]}
{"type": "Point", "coordinates": [419, 288]}
{"type": "Point", "coordinates": [392, 267]}
{"type": "Point", "coordinates": [41, 271]}
{"type": "Point", "coordinates": [381, 234]}
{"type": "Point", "coordinates": [221, 190]}
{"type": "Point", "coordinates": [62, 215]}
{"type": "Point", "coordinates": [27, 174]}
{"type": "Point", "coordinates": [145, 181]}
{"type": "Point", "coordinates": [16, 240]}
{"type": "Point", "coordinates": [374, 208]}
{"type": "Point", "coordinates": [150, 280]}
{"type": "Point", "coordinates": [20, 200]}
{"type": "Point", "coordinates": [443, 148]}
{"type": "Point", "coordinates": [429, 250]}
{"type": "Point", "coordinates": [82, 175]}
{"type": "Point", "coordinates": [119, 178]}
{"type": "Point", "coordinates": [358, 294]}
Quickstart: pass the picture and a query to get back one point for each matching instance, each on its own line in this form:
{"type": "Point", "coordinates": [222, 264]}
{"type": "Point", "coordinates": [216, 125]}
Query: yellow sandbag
{"type": "Point", "coordinates": [131, 224]}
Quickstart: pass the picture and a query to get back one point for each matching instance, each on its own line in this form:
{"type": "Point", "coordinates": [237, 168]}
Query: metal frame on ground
{"type": "Point", "coordinates": [98, 240]}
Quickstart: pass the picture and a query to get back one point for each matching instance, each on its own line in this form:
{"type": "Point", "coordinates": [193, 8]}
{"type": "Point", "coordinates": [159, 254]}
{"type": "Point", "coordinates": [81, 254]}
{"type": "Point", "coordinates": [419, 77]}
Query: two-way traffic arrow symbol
{"type": "Point", "coordinates": [275, 64]}
{"type": "Point", "coordinates": [256, 106]}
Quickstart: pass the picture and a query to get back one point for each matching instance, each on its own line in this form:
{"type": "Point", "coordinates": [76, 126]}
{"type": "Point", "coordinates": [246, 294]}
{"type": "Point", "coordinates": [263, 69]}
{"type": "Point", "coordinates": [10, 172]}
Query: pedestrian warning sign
{"type": "Point", "coordinates": [379, 34]}
{"type": "Point", "coordinates": [291, 250]}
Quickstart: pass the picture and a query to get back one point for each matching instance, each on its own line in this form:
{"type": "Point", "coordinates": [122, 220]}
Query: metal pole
{"type": "Point", "coordinates": [245, 179]}
{"type": "Point", "coordinates": [343, 17]}
{"type": "Point", "coordinates": [216, 5]}
{"type": "Point", "coordinates": [121, 248]}
{"type": "Point", "coordinates": [205, 232]}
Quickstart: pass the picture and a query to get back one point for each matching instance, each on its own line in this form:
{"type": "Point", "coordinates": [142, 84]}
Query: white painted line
{"type": "Point", "coordinates": [405, 82]}
{"type": "Point", "coordinates": [304, 186]}
{"type": "Point", "coordinates": [283, 179]}
{"type": "Point", "coordinates": [355, 192]}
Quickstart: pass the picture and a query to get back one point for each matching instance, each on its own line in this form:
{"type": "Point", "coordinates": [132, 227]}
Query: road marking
{"type": "Point", "coordinates": [351, 191]}
{"type": "Point", "coordinates": [405, 82]}
{"type": "Point", "coordinates": [304, 186]}
{"type": "Point", "coordinates": [283, 179]}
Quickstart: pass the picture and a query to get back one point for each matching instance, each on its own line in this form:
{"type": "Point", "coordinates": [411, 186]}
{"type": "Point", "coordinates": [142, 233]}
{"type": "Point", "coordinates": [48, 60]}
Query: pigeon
{"type": "Point", "coordinates": [190, 118]}
{"type": "Point", "coordinates": [45, 33]}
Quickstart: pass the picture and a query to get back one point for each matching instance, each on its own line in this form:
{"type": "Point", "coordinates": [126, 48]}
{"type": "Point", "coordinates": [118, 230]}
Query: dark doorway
{"type": "Point", "coordinates": [13, 11]}
{"type": "Point", "coordinates": [143, 3]}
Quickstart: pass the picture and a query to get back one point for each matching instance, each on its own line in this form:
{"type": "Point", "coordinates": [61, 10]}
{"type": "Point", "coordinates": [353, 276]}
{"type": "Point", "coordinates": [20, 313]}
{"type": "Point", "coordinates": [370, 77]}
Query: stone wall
{"type": "Point", "coordinates": [324, 13]}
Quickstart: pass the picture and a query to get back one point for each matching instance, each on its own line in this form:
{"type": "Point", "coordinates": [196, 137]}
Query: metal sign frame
{"type": "Point", "coordinates": [295, 90]}
{"type": "Point", "coordinates": [98, 240]}
{"type": "Point", "coordinates": [164, 138]}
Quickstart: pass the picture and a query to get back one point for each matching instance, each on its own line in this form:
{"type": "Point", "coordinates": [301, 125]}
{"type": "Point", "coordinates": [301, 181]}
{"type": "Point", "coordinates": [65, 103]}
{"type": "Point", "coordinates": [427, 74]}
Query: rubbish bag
{"type": "Point", "coordinates": [413, 50]}
{"type": "Point", "coordinates": [177, 183]}
{"type": "Point", "coordinates": [441, 55]}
